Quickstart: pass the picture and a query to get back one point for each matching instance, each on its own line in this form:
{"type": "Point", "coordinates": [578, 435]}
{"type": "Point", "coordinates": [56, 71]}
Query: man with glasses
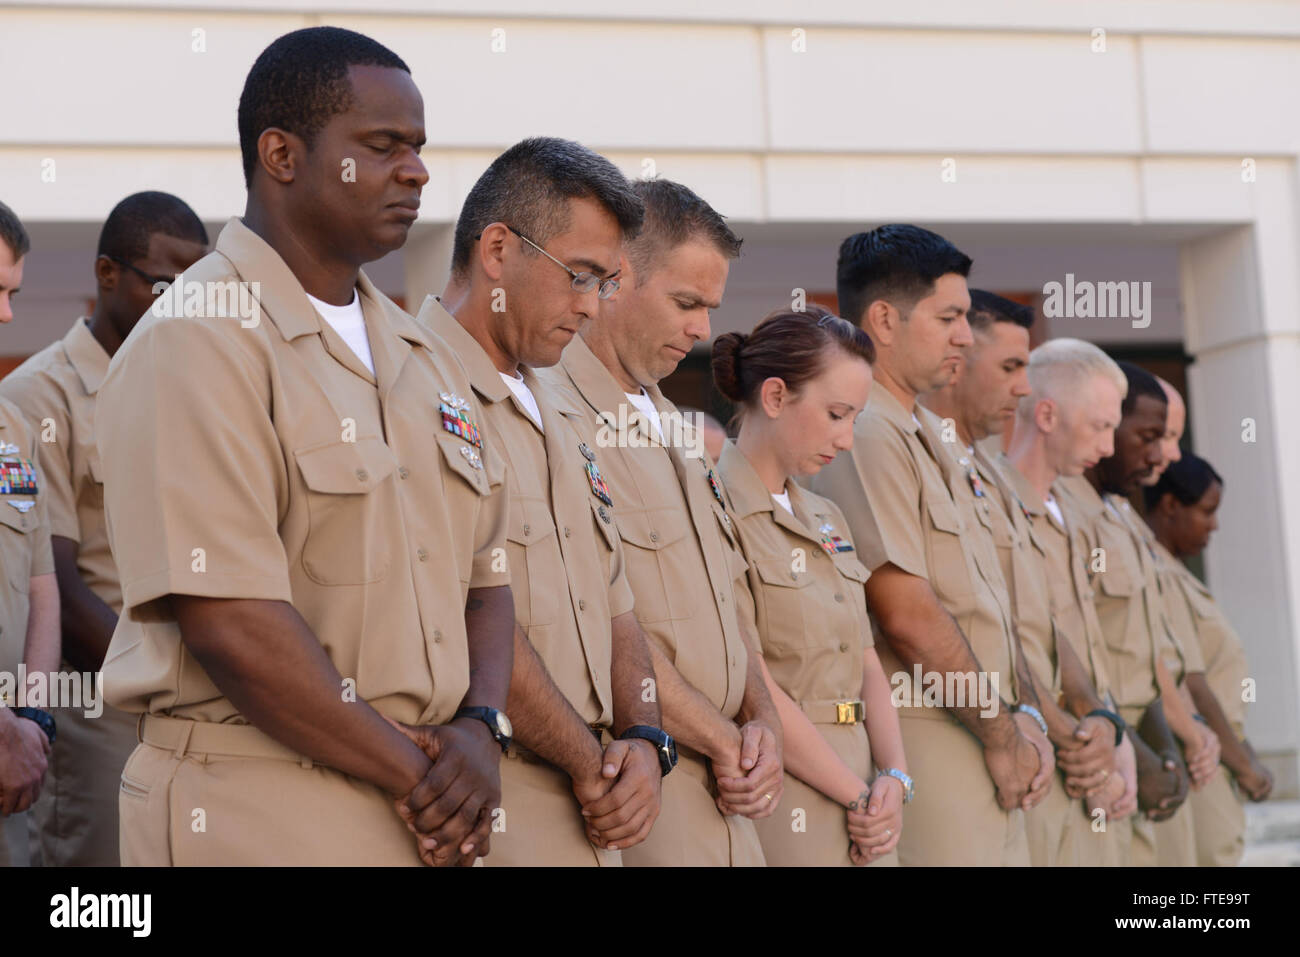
{"type": "Point", "coordinates": [148, 239]}
{"type": "Point", "coordinates": [583, 703]}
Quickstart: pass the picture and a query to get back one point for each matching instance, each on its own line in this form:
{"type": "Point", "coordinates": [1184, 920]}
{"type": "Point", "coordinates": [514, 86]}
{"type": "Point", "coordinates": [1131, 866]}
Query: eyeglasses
{"type": "Point", "coordinates": [582, 281]}
{"type": "Point", "coordinates": [153, 281]}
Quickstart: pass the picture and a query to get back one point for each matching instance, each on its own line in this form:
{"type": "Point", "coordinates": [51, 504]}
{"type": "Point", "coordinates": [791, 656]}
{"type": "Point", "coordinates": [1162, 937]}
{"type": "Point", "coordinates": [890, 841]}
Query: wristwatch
{"type": "Point", "coordinates": [1114, 719]}
{"type": "Point", "coordinates": [44, 720]}
{"type": "Point", "coordinates": [664, 744]}
{"type": "Point", "coordinates": [496, 721]}
{"type": "Point", "coordinates": [909, 790]}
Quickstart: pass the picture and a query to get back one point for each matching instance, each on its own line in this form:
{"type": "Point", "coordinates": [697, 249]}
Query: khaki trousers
{"type": "Point", "coordinates": [955, 818]}
{"type": "Point", "coordinates": [196, 793]}
{"type": "Point", "coordinates": [1219, 823]}
{"type": "Point", "coordinates": [540, 823]}
{"type": "Point", "coordinates": [75, 822]}
{"type": "Point", "coordinates": [690, 831]}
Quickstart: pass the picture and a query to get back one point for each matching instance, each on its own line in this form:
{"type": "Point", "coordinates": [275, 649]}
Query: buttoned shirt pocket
{"type": "Point", "coordinates": [785, 602]}
{"type": "Point", "coordinates": [531, 531]}
{"type": "Point", "coordinates": [949, 573]}
{"type": "Point", "coordinates": [348, 489]}
{"type": "Point", "coordinates": [17, 525]}
{"type": "Point", "coordinates": [649, 535]}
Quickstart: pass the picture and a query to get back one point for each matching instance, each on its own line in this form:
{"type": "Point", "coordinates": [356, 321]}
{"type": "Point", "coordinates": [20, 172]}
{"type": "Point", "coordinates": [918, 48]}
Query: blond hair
{"type": "Point", "coordinates": [1059, 369]}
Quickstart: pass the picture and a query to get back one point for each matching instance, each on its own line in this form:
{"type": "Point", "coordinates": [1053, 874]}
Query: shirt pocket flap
{"type": "Point", "coordinates": [343, 468]}
{"type": "Point", "coordinates": [463, 463]}
{"type": "Point", "coordinates": [943, 515]}
{"type": "Point", "coordinates": [780, 572]}
{"type": "Point", "coordinates": [20, 521]}
{"type": "Point", "coordinates": [1115, 583]}
{"type": "Point", "coordinates": [851, 568]}
{"type": "Point", "coordinates": [530, 521]}
{"type": "Point", "coordinates": [652, 528]}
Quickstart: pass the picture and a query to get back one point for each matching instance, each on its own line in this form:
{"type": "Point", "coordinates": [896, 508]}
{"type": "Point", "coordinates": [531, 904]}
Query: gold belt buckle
{"type": "Point", "coordinates": [849, 712]}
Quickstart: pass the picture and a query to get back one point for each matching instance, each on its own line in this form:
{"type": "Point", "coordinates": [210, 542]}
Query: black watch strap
{"type": "Point", "coordinates": [497, 723]}
{"type": "Point", "coordinates": [44, 720]}
{"type": "Point", "coordinates": [663, 742]}
{"type": "Point", "coordinates": [1114, 719]}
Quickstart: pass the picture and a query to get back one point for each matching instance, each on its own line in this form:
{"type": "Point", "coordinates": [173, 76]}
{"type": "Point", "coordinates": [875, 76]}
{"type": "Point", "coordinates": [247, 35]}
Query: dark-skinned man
{"type": "Point", "coordinates": [312, 563]}
{"type": "Point", "coordinates": [1138, 644]}
{"type": "Point", "coordinates": [537, 244]}
{"type": "Point", "coordinates": [977, 765]}
{"type": "Point", "coordinates": [29, 591]}
{"type": "Point", "coordinates": [679, 541]}
{"type": "Point", "coordinates": [980, 403]}
{"type": "Point", "coordinates": [147, 240]}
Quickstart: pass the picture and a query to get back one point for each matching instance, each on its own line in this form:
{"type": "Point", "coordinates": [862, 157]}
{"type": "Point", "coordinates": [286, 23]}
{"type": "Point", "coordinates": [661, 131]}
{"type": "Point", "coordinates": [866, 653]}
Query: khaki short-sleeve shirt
{"type": "Point", "coordinates": [1210, 638]}
{"type": "Point", "coordinates": [258, 458]}
{"type": "Point", "coordinates": [1178, 641]}
{"type": "Point", "coordinates": [567, 562]}
{"type": "Point", "coordinates": [56, 391]}
{"type": "Point", "coordinates": [678, 540]}
{"type": "Point", "coordinates": [24, 531]}
{"type": "Point", "coordinates": [895, 488]}
{"type": "Point", "coordinates": [804, 587]}
{"type": "Point", "coordinates": [1023, 560]}
{"type": "Point", "coordinates": [1126, 595]}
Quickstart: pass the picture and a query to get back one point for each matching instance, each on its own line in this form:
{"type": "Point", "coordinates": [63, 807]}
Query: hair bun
{"type": "Point", "coordinates": [726, 364]}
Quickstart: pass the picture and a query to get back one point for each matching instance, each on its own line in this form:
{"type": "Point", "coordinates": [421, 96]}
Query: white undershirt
{"type": "Point", "coordinates": [1055, 510]}
{"type": "Point", "coordinates": [350, 323]}
{"type": "Point", "coordinates": [647, 408]}
{"type": "Point", "coordinates": [784, 501]}
{"type": "Point", "coordinates": [525, 396]}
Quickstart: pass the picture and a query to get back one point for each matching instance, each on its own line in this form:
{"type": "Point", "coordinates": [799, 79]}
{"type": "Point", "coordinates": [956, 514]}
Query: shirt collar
{"type": "Point", "coordinates": [483, 375]}
{"type": "Point", "coordinates": [89, 359]}
{"type": "Point", "coordinates": [884, 403]}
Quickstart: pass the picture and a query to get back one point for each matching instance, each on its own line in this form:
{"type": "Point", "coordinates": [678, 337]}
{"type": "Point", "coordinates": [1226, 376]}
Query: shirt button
{"type": "Point", "coordinates": [362, 475]}
{"type": "Point", "coordinates": [844, 646]}
{"type": "Point", "coordinates": [839, 597]}
{"type": "Point", "coordinates": [422, 554]}
{"type": "Point", "coordinates": [403, 471]}
{"type": "Point", "coordinates": [794, 576]}
{"type": "Point", "coordinates": [526, 529]}
{"type": "Point", "coordinates": [582, 605]}
{"type": "Point", "coordinates": [437, 636]}
{"type": "Point", "coordinates": [654, 536]}
{"type": "Point", "coordinates": [566, 531]}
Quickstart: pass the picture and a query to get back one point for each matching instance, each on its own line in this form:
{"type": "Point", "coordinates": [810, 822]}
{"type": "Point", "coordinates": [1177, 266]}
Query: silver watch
{"type": "Point", "coordinates": [909, 791]}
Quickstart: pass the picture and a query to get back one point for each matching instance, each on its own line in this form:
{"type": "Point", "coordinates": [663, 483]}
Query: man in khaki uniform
{"type": "Point", "coordinates": [1063, 426]}
{"type": "Point", "coordinates": [975, 407]}
{"type": "Point", "coordinates": [679, 541]}
{"type": "Point", "coordinates": [975, 766]}
{"type": "Point", "coordinates": [1180, 510]}
{"type": "Point", "coordinates": [1128, 603]}
{"type": "Point", "coordinates": [148, 238]}
{"type": "Point", "coordinates": [304, 549]}
{"type": "Point", "coordinates": [581, 661]}
{"type": "Point", "coordinates": [29, 595]}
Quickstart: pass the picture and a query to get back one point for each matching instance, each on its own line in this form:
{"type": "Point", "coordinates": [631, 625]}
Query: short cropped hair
{"type": "Point", "coordinates": [12, 233]}
{"type": "Point", "coordinates": [674, 215]}
{"type": "Point", "coordinates": [1059, 368]}
{"type": "Point", "coordinates": [125, 234]}
{"type": "Point", "coordinates": [528, 187]}
{"type": "Point", "coordinates": [987, 308]}
{"type": "Point", "coordinates": [898, 263]}
{"type": "Point", "coordinates": [1140, 382]}
{"type": "Point", "coordinates": [300, 82]}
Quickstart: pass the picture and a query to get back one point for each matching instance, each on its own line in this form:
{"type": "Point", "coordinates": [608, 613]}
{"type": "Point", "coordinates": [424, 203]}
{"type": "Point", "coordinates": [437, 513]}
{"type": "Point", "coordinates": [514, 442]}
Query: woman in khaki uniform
{"type": "Point", "coordinates": [1180, 511]}
{"type": "Point", "coordinates": [799, 379]}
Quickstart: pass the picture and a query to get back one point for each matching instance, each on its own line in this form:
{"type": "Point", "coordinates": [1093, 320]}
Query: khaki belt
{"type": "Point", "coordinates": [182, 736]}
{"type": "Point", "coordinates": [834, 711]}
